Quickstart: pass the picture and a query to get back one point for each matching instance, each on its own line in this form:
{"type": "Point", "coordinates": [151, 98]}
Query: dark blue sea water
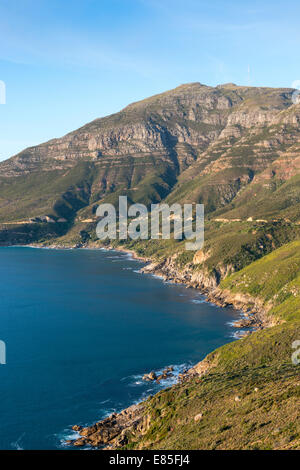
{"type": "Point", "coordinates": [81, 327]}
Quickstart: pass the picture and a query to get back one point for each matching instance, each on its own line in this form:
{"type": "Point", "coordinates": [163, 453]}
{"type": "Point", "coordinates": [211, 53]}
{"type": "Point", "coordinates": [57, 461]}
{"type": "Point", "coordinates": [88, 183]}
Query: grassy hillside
{"type": "Point", "coordinates": [249, 400]}
{"type": "Point", "coordinates": [275, 279]}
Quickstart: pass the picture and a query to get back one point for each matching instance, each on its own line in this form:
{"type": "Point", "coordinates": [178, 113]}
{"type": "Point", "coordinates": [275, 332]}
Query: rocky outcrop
{"type": "Point", "coordinates": [113, 432]}
{"type": "Point", "coordinates": [199, 279]}
{"type": "Point", "coordinates": [152, 376]}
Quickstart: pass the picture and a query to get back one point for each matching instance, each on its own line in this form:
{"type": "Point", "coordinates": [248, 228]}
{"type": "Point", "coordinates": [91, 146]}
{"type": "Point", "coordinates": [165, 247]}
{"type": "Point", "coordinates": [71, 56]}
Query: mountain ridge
{"type": "Point", "coordinates": [156, 140]}
{"type": "Point", "coordinates": [221, 146]}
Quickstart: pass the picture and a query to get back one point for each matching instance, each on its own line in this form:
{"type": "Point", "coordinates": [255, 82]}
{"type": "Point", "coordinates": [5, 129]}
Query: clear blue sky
{"type": "Point", "coordinates": [67, 62]}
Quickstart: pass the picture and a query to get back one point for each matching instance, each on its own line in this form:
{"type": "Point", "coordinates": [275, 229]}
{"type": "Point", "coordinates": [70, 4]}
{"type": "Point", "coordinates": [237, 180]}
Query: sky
{"type": "Point", "coordinates": [66, 63]}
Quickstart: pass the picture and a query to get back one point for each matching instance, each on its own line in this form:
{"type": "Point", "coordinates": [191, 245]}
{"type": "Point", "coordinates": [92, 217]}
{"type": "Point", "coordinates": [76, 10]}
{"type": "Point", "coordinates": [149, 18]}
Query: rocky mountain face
{"type": "Point", "coordinates": [195, 143]}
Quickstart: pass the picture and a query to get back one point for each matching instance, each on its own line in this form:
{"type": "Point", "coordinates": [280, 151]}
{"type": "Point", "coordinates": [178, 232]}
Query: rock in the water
{"type": "Point", "coordinates": [76, 428]}
{"type": "Point", "coordinates": [79, 442]}
{"type": "Point", "coordinates": [243, 323]}
{"type": "Point", "coordinates": [88, 431]}
{"type": "Point", "coordinates": [150, 377]}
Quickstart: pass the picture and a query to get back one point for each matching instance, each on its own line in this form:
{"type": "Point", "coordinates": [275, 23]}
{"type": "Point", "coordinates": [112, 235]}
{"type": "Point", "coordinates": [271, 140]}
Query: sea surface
{"type": "Point", "coordinates": [81, 327]}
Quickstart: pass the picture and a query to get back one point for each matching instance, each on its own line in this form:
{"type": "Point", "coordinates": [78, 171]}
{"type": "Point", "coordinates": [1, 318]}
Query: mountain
{"type": "Point", "coordinates": [192, 143]}
{"type": "Point", "coordinates": [233, 148]}
{"type": "Point", "coordinates": [236, 150]}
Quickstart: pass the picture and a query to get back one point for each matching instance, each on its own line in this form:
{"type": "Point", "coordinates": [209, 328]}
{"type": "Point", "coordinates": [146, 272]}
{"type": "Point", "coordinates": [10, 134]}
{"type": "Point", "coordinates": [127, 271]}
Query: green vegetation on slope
{"type": "Point", "coordinates": [249, 399]}
{"type": "Point", "coordinates": [275, 279]}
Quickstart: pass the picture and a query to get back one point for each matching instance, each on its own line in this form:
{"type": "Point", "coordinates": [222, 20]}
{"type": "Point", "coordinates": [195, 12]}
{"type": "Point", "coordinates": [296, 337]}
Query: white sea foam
{"type": "Point", "coordinates": [16, 444]}
{"type": "Point", "coordinates": [198, 301]}
{"type": "Point", "coordinates": [137, 380]}
{"type": "Point", "coordinates": [156, 276]}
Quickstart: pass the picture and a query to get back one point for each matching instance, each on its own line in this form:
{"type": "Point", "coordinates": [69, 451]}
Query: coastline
{"type": "Point", "coordinates": [251, 309]}
{"type": "Point", "coordinates": [253, 315]}
{"type": "Point", "coordinates": [110, 433]}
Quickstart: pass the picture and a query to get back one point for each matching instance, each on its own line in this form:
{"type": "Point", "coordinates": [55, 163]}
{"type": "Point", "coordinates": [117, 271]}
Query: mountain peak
{"type": "Point", "coordinates": [227, 85]}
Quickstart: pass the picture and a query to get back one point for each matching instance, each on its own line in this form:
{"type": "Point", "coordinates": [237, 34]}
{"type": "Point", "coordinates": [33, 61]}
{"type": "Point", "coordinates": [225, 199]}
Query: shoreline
{"type": "Point", "coordinates": [248, 307]}
{"type": "Point", "coordinates": [253, 315]}
{"type": "Point", "coordinates": [110, 432]}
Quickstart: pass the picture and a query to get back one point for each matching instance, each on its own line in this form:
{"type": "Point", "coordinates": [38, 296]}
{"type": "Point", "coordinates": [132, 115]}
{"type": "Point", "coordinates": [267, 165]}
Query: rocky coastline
{"type": "Point", "coordinates": [253, 313]}
{"type": "Point", "coordinates": [113, 431]}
